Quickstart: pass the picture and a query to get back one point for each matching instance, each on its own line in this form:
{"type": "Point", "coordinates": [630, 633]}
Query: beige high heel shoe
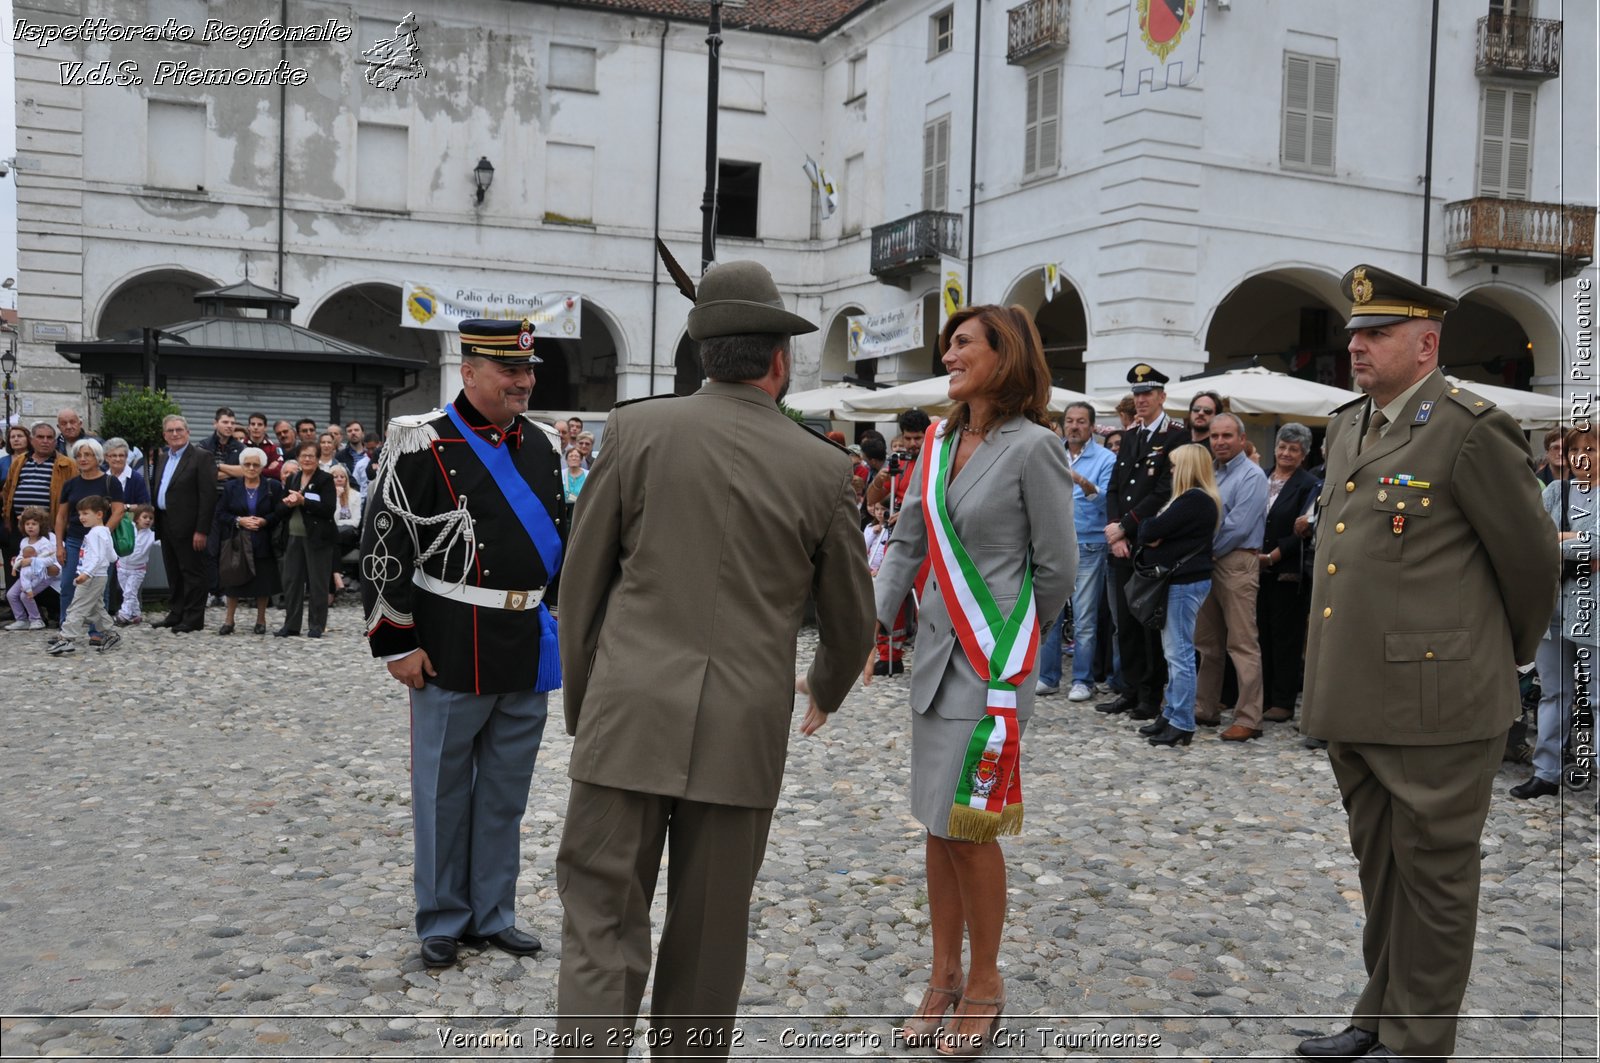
{"type": "Point", "coordinates": [952, 1045]}
{"type": "Point", "coordinates": [921, 1031]}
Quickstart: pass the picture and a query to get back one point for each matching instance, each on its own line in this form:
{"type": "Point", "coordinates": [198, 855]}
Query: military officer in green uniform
{"type": "Point", "coordinates": [1435, 575]}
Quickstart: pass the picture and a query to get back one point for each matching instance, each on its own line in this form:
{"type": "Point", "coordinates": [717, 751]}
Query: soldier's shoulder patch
{"type": "Point", "coordinates": [1474, 404]}
{"type": "Point", "coordinates": [549, 430]}
{"type": "Point", "coordinates": [1345, 406]}
{"type": "Point", "coordinates": [410, 433]}
{"type": "Point", "coordinates": [834, 443]}
{"type": "Point", "coordinates": [413, 420]}
{"type": "Point", "coordinates": [643, 398]}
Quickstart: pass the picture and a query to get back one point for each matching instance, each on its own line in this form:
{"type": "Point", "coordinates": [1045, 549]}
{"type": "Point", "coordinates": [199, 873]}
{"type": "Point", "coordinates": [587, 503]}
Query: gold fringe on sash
{"type": "Point", "coordinates": [978, 825]}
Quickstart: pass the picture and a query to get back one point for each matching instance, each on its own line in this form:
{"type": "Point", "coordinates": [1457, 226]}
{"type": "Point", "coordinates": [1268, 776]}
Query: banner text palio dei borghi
{"type": "Point", "coordinates": [442, 308]}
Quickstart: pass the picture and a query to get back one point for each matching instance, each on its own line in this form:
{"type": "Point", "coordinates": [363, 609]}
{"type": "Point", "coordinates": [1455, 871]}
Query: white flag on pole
{"type": "Point", "coordinates": [822, 185]}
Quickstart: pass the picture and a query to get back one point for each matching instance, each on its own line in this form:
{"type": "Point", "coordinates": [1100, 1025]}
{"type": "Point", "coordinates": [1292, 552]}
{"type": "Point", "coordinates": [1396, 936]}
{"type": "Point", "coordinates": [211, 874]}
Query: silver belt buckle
{"type": "Point", "coordinates": [516, 600]}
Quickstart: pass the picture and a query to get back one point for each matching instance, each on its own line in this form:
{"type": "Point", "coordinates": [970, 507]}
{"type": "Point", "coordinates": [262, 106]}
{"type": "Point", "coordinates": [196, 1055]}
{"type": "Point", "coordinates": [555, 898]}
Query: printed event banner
{"type": "Point", "coordinates": [442, 309]}
{"type": "Point", "coordinates": [885, 333]}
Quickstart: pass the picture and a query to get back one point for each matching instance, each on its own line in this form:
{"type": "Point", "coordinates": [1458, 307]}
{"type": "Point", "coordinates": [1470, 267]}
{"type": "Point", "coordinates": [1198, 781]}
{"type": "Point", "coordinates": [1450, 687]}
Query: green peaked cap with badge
{"type": "Point", "coordinates": [740, 298]}
{"type": "Point", "coordinates": [1378, 297]}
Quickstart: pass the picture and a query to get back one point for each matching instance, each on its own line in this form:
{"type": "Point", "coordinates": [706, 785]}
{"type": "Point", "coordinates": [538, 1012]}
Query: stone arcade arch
{"type": "Point", "coordinates": [1063, 325]}
{"type": "Point", "coordinates": [150, 300]}
{"type": "Point", "coordinates": [1500, 334]}
{"type": "Point", "coordinates": [1287, 319]}
{"type": "Point", "coordinates": [369, 314]}
{"type": "Point", "coordinates": [587, 365]}
{"type": "Point", "coordinates": [836, 363]}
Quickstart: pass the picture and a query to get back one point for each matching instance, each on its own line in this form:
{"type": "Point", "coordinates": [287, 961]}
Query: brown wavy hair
{"type": "Point", "coordinates": [1021, 385]}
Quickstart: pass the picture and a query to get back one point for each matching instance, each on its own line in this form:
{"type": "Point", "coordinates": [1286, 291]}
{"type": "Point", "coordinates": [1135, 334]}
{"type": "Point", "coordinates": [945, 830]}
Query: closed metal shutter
{"type": "Point", "coordinates": [199, 398]}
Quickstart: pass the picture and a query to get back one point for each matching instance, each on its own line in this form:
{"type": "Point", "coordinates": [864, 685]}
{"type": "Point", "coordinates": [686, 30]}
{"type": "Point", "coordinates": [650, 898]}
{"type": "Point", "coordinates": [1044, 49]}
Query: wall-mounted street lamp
{"type": "Point", "coordinates": [483, 176]}
{"type": "Point", "coordinates": [8, 366]}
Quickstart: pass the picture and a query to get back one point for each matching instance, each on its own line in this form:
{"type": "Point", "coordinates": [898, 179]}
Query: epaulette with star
{"type": "Point", "coordinates": [1474, 404]}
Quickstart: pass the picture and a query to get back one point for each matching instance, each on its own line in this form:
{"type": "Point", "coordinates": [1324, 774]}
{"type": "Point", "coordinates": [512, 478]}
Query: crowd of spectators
{"type": "Point", "coordinates": [1244, 641]}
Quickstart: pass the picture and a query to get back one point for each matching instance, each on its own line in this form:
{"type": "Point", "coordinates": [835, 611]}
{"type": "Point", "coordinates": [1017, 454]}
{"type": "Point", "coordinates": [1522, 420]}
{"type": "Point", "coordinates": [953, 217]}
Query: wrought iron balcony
{"type": "Point", "coordinates": [1513, 46]}
{"type": "Point", "coordinates": [915, 242]}
{"type": "Point", "coordinates": [1036, 27]}
{"type": "Point", "coordinates": [1559, 236]}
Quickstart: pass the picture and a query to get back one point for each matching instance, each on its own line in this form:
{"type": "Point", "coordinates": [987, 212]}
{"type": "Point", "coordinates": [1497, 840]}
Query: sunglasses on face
{"type": "Point", "coordinates": [1208, 411]}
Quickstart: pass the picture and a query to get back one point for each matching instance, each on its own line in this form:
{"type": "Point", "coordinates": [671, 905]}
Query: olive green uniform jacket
{"type": "Point", "coordinates": [1426, 598]}
{"type": "Point", "coordinates": [705, 524]}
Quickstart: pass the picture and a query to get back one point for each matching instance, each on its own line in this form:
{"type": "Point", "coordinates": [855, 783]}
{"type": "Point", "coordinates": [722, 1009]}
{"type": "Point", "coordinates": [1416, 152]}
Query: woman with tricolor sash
{"type": "Point", "coordinates": [992, 508]}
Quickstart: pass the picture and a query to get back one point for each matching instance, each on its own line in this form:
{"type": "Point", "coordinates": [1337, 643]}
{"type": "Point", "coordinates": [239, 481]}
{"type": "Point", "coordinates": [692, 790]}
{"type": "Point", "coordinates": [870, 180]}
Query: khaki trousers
{"type": "Point", "coordinates": [1416, 820]}
{"type": "Point", "coordinates": [1228, 618]}
{"type": "Point", "coordinates": [606, 875]}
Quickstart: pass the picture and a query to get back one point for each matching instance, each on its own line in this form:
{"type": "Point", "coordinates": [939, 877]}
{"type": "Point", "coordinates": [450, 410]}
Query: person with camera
{"type": "Point", "coordinates": [888, 487]}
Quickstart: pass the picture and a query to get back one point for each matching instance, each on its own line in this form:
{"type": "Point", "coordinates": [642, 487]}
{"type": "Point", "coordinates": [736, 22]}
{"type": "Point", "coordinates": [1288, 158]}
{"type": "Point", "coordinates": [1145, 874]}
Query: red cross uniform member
{"type": "Point", "coordinates": [462, 542]}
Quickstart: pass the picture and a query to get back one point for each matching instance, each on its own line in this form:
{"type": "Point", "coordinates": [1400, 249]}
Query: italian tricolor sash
{"type": "Point", "coordinates": [988, 801]}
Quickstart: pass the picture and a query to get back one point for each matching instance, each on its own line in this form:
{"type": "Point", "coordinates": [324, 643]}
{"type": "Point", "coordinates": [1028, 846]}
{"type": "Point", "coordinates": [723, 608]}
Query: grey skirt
{"type": "Point", "coordinates": [938, 746]}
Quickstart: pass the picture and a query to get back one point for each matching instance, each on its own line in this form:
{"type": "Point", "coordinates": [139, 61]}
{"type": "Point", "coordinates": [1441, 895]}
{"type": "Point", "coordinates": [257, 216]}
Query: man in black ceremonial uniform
{"type": "Point", "coordinates": [1141, 483]}
{"type": "Point", "coordinates": [460, 550]}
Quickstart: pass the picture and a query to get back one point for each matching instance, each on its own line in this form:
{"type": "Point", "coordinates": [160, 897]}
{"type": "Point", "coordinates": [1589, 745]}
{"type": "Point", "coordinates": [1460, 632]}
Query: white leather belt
{"type": "Point", "coordinates": [483, 597]}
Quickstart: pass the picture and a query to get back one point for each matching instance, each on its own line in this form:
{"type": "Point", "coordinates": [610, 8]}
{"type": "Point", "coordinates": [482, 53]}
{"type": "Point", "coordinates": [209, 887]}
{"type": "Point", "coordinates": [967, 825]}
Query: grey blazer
{"type": "Point", "coordinates": [1013, 496]}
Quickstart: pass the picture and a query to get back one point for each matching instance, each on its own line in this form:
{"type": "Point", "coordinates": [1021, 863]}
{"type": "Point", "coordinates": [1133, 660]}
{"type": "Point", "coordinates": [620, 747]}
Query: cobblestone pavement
{"type": "Point", "coordinates": [205, 851]}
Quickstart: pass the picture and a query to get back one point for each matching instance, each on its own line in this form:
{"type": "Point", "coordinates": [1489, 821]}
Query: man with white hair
{"type": "Point", "coordinates": [184, 483]}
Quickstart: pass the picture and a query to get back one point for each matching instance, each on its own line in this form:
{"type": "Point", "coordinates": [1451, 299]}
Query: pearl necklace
{"type": "Point", "coordinates": [969, 430]}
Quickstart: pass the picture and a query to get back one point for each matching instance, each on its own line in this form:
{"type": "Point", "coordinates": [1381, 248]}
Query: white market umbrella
{"type": "Point", "coordinates": [1531, 409]}
{"type": "Point", "coordinates": [825, 401]}
{"type": "Point", "coordinates": [1260, 394]}
{"type": "Point", "coordinates": [933, 394]}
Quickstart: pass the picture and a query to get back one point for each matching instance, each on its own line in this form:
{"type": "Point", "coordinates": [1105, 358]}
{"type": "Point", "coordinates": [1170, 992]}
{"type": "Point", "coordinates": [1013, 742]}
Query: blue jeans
{"type": "Point", "coordinates": [1086, 608]}
{"type": "Point", "coordinates": [1050, 652]}
{"type": "Point", "coordinates": [69, 569]}
{"type": "Point", "coordinates": [1556, 658]}
{"type": "Point", "coordinates": [1177, 644]}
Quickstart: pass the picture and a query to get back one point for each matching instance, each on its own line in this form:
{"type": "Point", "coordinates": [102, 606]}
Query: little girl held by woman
{"type": "Point", "coordinates": [35, 570]}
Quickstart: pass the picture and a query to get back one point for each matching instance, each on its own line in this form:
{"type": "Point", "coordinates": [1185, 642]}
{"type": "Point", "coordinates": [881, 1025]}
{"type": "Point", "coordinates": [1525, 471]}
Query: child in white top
{"type": "Point", "coordinates": [131, 570]}
{"type": "Point", "coordinates": [94, 564]}
{"type": "Point", "coordinates": [35, 569]}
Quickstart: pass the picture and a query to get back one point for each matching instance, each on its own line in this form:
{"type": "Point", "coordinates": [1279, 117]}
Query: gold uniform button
{"type": "Point", "coordinates": [1350, 485]}
{"type": "Point", "coordinates": [1429, 655]}
{"type": "Point", "coordinates": [1327, 612]}
{"type": "Point", "coordinates": [1339, 528]}
{"type": "Point", "coordinates": [1399, 505]}
{"type": "Point", "coordinates": [1455, 391]}
{"type": "Point", "coordinates": [1332, 569]}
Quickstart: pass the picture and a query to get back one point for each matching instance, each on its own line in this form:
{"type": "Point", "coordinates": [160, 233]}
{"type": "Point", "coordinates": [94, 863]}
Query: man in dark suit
{"type": "Point", "coordinates": [1437, 574]}
{"type": "Point", "coordinates": [1141, 483]}
{"type": "Point", "coordinates": [184, 483]}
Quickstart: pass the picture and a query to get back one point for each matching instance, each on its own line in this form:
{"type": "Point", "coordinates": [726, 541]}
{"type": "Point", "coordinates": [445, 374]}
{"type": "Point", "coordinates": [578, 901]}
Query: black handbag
{"type": "Point", "coordinates": [1146, 589]}
{"type": "Point", "coordinates": [236, 561]}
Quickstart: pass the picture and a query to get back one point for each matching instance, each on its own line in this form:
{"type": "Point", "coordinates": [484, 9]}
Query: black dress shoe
{"type": "Point", "coordinates": [1351, 1042]}
{"type": "Point", "coordinates": [165, 621]}
{"type": "Point", "coordinates": [1122, 704]}
{"type": "Point", "coordinates": [439, 952]}
{"type": "Point", "coordinates": [314, 633]}
{"type": "Point", "coordinates": [1535, 787]}
{"type": "Point", "coordinates": [260, 629]}
{"type": "Point", "coordinates": [1155, 727]}
{"type": "Point", "coordinates": [1384, 1052]}
{"type": "Point", "coordinates": [225, 629]}
{"type": "Point", "coordinates": [1145, 712]}
{"type": "Point", "coordinates": [509, 940]}
{"type": "Point", "coordinates": [1171, 736]}
{"type": "Point", "coordinates": [285, 633]}
{"type": "Point", "coordinates": [184, 629]}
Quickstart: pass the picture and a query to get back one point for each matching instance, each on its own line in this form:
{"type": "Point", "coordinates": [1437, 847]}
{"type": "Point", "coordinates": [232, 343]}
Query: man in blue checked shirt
{"type": "Point", "coordinates": [1091, 466]}
{"type": "Point", "coordinates": [1227, 620]}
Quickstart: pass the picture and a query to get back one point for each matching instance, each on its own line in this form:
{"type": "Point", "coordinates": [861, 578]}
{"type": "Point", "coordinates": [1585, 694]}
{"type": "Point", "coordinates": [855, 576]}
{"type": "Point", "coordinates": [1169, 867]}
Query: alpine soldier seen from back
{"type": "Point", "coordinates": [464, 534]}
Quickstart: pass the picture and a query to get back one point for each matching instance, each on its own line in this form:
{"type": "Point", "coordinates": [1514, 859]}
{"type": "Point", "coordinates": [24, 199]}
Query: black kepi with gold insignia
{"type": "Point", "coordinates": [1145, 377]}
{"type": "Point", "coordinates": [1378, 297]}
{"type": "Point", "coordinates": [507, 342]}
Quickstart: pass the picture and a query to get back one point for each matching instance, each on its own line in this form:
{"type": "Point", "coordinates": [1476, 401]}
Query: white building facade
{"type": "Point", "coordinates": [1200, 215]}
